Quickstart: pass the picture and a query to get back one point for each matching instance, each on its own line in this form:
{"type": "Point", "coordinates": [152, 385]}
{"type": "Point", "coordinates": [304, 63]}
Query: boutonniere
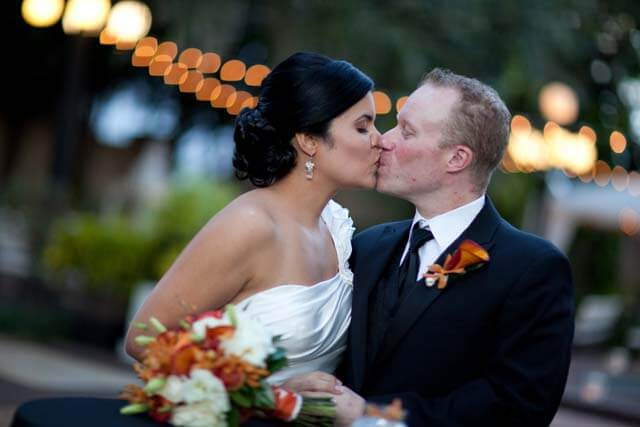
{"type": "Point", "coordinates": [468, 257]}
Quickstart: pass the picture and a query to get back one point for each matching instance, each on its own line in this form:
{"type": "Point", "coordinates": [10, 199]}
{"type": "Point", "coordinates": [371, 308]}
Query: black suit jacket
{"type": "Point", "coordinates": [491, 349]}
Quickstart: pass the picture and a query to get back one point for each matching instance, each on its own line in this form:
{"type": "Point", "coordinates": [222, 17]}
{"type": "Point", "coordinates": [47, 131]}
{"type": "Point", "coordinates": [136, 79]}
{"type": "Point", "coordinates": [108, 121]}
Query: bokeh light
{"type": "Point", "coordinates": [220, 95]}
{"type": "Point", "coordinates": [129, 21]}
{"type": "Point", "coordinates": [629, 221]}
{"type": "Point", "coordinates": [256, 74]}
{"type": "Point", "coordinates": [400, 103]}
{"type": "Point", "coordinates": [236, 101]}
{"type": "Point", "coordinates": [169, 49]}
{"type": "Point", "coordinates": [159, 65]}
{"type": "Point", "coordinates": [520, 125]}
{"type": "Point", "coordinates": [589, 134]}
{"type": "Point", "coordinates": [209, 63]}
{"type": "Point", "coordinates": [601, 173]}
{"type": "Point", "coordinates": [107, 38]}
{"type": "Point", "coordinates": [191, 81]}
{"type": "Point", "coordinates": [191, 57]}
{"type": "Point", "coordinates": [618, 142]}
{"type": "Point", "coordinates": [42, 13]}
{"type": "Point", "coordinates": [145, 50]}
{"type": "Point", "coordinates": [558, 103]}
{"type": "Point", "coordinates": [382, 102]}
{"type": "Point", "coordinates": [85, 16]}
{"type": "Point", "coordinates": [619, 178]}
{"type": "Point", "coordinates": [250, 103]}
{"type": "Point", "coordinates": [233, 70]}
{"type": "Point", "coordinates": [205, 88]}
{"type": "Point", "coordinates": [175, 74]}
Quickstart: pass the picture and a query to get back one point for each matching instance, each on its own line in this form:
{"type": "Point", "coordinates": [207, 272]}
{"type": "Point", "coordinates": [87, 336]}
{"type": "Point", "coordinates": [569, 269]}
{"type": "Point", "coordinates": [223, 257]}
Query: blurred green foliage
{"type": "Point", "coordinates": [109, 255]}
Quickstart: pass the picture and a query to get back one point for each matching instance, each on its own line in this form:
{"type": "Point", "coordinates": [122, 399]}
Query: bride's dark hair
{"type": "Point", "coordinates": [302, 94]}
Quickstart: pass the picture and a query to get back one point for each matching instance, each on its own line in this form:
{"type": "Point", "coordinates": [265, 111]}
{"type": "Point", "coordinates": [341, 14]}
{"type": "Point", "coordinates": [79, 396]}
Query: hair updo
{"type": "Point", "coordinates": [302, 94]}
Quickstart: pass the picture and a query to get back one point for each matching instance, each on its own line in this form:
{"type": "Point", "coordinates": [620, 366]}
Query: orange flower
{"type": "Point", "coordinates": [468, 254]}
{"type": "Point", "coordinates": [286, 403]}
{"type": "Point", "coordinates": [184, 358]}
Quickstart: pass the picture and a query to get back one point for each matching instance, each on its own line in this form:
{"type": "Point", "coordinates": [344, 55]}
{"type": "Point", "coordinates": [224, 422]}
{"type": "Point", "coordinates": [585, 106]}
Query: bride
{"type": "Point", "coordinates": [281, 251]}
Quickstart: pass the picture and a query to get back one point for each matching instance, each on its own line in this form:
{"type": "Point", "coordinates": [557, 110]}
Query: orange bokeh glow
{"type": "Point", "coordinates": [618, 142]}
{"type": "Point", "coordinates": [159, 65]}
{"type": "Point", "coordinates": [382, 102]}
{"type": "Point", "coordinates": [588, 133]}
{"type": "Point", "coordinates": [601, 173]}
{"type": "Point", "coordinates": [209, 63]}
{"type": "Point", "coordinates": [256, 74]}
{"type": "Point", "coordinates": [520, 125]}
{"type": "Point", "coordinates": [400, 103]}
{"type": "Point", "coordinates": [233, 70]}
{"type": "Point", "coordinates": [175, 74]}
{"type": "Point", "coordinates": [205, 88]}
{"type": "Point", "coordinates": [190, 57]}
{"type": "Point", "coordinates": [167, 48]}
{"type": "Point", "coordinates": [236, 101]}
{"type": "Point", "coordinates": [191, 82]}
{"type": "Point", "coordinates": [220, 95]}
{"type": "Point", "coordinates": [629, 221]}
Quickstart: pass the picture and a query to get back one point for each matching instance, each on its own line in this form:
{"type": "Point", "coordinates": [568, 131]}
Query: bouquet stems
{"type": "Point", "coordinates": [316, 411]}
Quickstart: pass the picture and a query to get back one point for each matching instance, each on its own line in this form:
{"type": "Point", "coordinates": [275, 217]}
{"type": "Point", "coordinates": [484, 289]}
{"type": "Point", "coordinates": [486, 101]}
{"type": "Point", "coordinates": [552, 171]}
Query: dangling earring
{"type": "Point", "coordinates": [308, 168]}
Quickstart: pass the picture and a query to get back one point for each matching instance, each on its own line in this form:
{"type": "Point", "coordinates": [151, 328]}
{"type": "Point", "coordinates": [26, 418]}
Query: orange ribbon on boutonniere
{"type": "Point", "coordinates": [468, 257]}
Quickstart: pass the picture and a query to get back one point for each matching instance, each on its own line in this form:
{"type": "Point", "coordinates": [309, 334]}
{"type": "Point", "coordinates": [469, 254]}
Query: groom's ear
{"type": "Point", "coordinates": [460, 159]}
{"type": "Point", "coordinates": [307, 143]}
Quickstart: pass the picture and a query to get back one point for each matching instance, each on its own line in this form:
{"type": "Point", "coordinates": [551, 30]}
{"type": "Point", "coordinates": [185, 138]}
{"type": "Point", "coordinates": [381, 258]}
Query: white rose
{"type": "Point", "coordinates": [203, 385]}
{"type": "Point", "coordinates": [251, 341]}
{"type": "Point", "coordinates": [199, 327]}
{"type": "Point", "coordinates": [201, 414]}
{"type": "Point", "coordinates": [173, 389]}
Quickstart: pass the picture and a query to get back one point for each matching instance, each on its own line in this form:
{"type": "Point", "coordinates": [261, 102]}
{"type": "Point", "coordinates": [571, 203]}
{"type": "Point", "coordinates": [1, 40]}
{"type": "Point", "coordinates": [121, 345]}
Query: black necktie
{"type": "Point", "coordinates": [409, 268]}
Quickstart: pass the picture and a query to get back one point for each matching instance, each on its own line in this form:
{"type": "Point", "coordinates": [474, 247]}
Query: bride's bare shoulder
{"type": "Point", "coordinates": [247, 217]}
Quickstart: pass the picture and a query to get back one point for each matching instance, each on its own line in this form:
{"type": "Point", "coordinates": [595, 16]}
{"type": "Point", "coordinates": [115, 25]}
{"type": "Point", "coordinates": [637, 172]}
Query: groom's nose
{"type": "Point", "coordinates": [386, 141]}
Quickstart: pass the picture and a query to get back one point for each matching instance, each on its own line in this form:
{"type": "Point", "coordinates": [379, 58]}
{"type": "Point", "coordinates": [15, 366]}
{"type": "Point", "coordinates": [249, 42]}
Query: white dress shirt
{"type": "Point", "coordinates": [446, 228]}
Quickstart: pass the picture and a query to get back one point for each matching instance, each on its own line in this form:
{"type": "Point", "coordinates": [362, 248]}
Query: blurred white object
{"type": "Point", "coordinates": [618, 361]}
{"type": "Point", "coordinates": [594, 387]}
{"type": "Point", "coordinates": [376, 422]}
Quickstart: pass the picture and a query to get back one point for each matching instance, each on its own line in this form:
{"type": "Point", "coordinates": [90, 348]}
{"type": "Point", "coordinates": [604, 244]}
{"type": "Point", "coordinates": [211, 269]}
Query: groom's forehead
{"type": "Point", "coordinates": [429, 105]}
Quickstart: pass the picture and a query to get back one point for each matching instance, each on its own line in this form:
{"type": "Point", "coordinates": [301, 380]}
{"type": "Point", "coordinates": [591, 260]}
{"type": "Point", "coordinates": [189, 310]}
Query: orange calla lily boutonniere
{"type": "Point", "coordinates": [468, 257]}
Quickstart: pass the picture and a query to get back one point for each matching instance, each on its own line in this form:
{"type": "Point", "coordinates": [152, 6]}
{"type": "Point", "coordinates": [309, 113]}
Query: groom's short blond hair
{"type": "Point", "coordinates": [480, 120]}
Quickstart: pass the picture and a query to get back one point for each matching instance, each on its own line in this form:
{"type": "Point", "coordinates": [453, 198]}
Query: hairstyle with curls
{"type": "Point", "coordinates": [302, 94]}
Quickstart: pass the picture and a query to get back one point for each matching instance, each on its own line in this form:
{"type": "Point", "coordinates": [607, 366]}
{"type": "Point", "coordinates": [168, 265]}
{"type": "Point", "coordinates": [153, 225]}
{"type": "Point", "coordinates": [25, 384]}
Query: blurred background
{"type": "Point", "coordinates": [116, 142]}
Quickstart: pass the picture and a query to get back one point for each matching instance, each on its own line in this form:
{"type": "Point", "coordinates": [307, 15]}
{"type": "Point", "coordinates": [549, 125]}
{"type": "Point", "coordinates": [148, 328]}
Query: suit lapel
{"type": "Point", "coordinates": [420, 297]}
{"type": "Point", "coordinates": [366, 277]}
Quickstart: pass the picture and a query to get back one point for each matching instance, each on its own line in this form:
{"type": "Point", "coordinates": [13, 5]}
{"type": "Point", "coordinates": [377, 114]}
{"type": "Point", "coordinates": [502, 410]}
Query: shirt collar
{"type": "Point", "coordinates": [447, 227]}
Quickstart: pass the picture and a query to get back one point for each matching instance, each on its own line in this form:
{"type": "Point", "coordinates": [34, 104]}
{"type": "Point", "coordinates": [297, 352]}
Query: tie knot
{"type": "Point", "coordinates": [419, 236]}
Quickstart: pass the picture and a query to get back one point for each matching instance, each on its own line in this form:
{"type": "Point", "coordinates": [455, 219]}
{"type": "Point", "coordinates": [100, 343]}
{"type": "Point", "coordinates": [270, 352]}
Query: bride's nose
{"type": "Point", "coordinates": [375, 139]}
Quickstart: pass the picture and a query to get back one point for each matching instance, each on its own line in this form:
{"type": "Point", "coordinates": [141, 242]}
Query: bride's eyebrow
{"type": "Point", "coordinates": [365, 116]}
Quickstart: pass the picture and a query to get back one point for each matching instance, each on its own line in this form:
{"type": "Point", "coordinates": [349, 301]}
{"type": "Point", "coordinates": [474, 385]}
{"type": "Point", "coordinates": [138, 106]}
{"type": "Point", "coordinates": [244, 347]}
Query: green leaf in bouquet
{"type": "Point", "coordinates": [243, 397]}
{"type": "Point", "coordinates": [233, 417]}
{"type": "Point", "coordinates": [277, 360]}
{"type": "Point", "coordinates": [230, 309]}
{"type": "Point", "coordinates": [264, 396]}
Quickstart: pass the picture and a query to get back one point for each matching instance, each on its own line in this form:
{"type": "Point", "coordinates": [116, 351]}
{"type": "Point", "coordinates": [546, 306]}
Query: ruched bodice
{"type": "Point", "coordinates": [311, 321]}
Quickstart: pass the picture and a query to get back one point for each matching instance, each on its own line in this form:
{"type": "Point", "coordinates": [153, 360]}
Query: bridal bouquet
{"type": "Point", "coordinates": [211, 372]}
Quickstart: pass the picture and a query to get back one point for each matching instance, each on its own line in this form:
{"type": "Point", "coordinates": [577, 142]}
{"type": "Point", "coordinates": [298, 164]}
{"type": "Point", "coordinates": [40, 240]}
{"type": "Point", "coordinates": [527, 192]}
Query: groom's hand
{"type": "Point", "coordinates": [349, 406]}
{"type": "Point", "coordinates": [314, 382]}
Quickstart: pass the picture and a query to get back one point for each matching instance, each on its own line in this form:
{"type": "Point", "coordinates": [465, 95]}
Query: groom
{"type": "Point", "coordinates": [493, 347]}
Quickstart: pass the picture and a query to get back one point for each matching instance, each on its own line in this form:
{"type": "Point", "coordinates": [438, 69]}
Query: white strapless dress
{"type": "Point", "coordinates": [312, 321]}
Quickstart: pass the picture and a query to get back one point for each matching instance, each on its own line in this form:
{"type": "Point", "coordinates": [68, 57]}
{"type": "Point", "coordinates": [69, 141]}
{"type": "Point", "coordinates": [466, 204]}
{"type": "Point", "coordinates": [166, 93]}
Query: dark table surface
{"type": "Point", "coordinates": [94, 412]}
